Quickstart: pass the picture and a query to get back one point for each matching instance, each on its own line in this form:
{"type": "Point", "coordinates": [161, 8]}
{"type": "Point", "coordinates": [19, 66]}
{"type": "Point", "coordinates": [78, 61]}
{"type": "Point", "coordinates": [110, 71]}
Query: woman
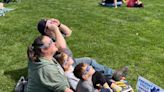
{"type": "Point", "coordinates": [44, 73]}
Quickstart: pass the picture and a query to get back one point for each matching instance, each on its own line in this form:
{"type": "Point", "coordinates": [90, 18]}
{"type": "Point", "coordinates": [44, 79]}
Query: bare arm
{"type": "Point", "coordinates": [62, 27]}
{"type": "Point", "coordinates": [55, 32]}
{"type": "Point", "coordinates": [115, 3]}
{"type": "Point", "coordinates": [66, 30]}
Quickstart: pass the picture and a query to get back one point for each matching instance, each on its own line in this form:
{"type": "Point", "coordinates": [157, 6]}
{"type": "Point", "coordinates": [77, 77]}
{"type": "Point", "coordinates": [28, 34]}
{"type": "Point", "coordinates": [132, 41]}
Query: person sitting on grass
{"type": "Point", "coordinates": [44, 72]}
{"type": "Point", "coordinates": [134, 3]}
{"type": "Point", "coordinates": [111, 3]}
{"type": "Point", "coordinates": [88, 76]}
{"type": "Point", "coordinates": [66, 63]}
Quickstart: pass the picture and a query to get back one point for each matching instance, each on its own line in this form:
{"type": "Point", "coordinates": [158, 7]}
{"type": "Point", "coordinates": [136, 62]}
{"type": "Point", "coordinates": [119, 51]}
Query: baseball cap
{"type": "Point", "coordinates": [41, 26]}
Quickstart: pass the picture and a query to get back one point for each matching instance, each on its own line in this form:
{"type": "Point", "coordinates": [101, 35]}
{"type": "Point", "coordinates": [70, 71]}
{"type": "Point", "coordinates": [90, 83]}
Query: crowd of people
{"type": "Point", "coordinates": [52, 67]}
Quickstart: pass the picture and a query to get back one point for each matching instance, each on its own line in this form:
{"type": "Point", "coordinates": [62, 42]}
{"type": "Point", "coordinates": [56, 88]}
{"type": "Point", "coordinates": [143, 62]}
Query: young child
{"type": "Point", "coordinates": [87, 73]}
{"type": "Point", "coordinates": [66, 62]}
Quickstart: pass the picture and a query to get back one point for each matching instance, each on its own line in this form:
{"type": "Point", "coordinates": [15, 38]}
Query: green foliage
{"type": "Point", "coordinates": [114, 37]}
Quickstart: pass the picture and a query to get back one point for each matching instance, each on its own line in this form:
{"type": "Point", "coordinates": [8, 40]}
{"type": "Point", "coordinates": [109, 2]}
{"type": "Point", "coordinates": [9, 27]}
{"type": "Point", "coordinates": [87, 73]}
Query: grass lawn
{"type": "Point", "coordinates": [119, 37]}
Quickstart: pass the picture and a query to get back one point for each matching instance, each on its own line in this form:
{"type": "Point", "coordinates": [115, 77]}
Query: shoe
{"type": "Point", "coordinates": [118, 74]}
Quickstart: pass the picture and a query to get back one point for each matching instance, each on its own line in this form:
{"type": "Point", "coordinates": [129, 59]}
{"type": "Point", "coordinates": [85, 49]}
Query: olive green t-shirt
{"type": "Point", "coordinates": [46, 76]}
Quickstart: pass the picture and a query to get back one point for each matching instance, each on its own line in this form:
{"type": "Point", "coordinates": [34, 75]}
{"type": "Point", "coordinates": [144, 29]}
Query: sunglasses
{"type": "Point", "coordinates": [86, 70]}
{"type": "Point", "coordinates": [46, 46]}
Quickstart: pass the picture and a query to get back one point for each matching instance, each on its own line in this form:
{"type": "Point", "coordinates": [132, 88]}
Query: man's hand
{"type": "Point", "coordinates": [55, 21]}
{"type": "Point", "coordinates": [52, 27]}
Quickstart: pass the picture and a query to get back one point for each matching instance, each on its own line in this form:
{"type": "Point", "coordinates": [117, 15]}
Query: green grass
{"type": "Point", "coordinates": [114, 37]}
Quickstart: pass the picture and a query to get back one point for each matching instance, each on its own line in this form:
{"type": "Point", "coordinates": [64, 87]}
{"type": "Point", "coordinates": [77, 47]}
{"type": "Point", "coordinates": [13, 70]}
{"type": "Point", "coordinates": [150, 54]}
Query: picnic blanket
{"type": "Point", "coordinates": [4, 10]}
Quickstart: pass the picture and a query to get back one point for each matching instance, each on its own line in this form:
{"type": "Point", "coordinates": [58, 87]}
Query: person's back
{"type": "Point", "coordinates": [39, 74]}
{"type": "Point", "coordinates": [85, 86]}
{"type": "Point", "coordinates": [130, 3]}
{"type": "Point", "coordinates": [134, 3]}
{"type": "Point", "coordinates": [45, 74]}
{"type": "Point", "coordinates": [111, 1]}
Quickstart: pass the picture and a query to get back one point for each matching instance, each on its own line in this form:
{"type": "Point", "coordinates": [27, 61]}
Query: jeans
{"type": "Point", "coordinates": [119, 3]}
{"type": "Point", "coordinates": [98, 67]}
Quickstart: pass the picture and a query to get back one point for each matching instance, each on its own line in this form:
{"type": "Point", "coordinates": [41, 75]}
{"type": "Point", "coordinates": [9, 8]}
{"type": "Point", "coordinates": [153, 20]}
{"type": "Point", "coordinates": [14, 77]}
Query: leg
{"type": "Point", "coordinates": [98, 67]}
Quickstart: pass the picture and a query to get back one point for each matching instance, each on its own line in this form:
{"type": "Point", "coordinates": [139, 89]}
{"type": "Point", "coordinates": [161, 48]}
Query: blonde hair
{"type": "Point", "coordinates": [61, 59]}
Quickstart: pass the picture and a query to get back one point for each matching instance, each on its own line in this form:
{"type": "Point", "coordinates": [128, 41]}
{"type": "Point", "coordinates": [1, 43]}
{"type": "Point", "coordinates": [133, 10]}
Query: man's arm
{"type": "Point", "coordinates": [61, 43]}
{"type": "Point", "coordinates": [66, 30]}
{"type": "Point", "coordinates": [62, 27]}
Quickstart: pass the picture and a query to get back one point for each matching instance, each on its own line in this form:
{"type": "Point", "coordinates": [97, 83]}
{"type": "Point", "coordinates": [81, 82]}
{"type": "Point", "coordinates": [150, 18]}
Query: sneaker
{"type": "Point", "coordinates": [118, 74]}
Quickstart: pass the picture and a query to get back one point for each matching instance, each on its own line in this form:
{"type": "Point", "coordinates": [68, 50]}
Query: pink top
{"type": "Point", "coordinates": [130, 3]}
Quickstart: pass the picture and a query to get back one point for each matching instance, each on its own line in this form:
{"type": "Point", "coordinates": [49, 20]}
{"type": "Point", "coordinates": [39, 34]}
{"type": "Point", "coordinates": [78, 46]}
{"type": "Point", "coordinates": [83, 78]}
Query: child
{"type": "Point", "coordinates": [66, 62]}
{"type": "Point", "coordinates": [87, 73]}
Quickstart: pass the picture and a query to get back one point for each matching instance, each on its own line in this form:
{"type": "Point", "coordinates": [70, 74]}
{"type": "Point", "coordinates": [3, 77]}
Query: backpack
{"type": "Point", "coordinates": [21, 84]}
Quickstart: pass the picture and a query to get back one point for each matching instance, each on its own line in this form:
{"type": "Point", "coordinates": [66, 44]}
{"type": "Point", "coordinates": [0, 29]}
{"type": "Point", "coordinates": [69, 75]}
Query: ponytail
{"type": "Point", "coordinates": [34, 50]}
{"type": "Point", "coordinates": [31, 54]}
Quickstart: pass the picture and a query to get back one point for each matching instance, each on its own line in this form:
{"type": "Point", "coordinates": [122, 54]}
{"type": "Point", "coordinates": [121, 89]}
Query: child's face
{"type": "Point", "coordinates": [68, 61]}
{"type": "Point", "coordinates": [88, 71]}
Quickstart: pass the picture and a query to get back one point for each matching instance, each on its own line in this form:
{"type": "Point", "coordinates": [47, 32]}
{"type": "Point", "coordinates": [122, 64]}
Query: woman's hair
{"type": "Point", "coordinates": [78, 71]}
{"type": "Point", "coordinates": [34, 51]}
